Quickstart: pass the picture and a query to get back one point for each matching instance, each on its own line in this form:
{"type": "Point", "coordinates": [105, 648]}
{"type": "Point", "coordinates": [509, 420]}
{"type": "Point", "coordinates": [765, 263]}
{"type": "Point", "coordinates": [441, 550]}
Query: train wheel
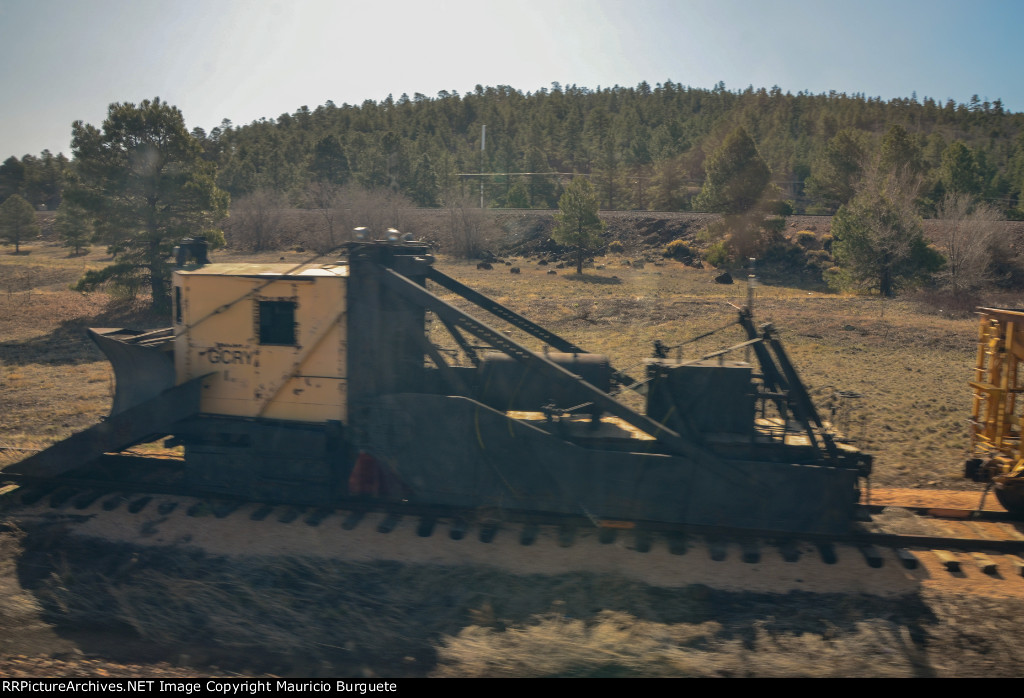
{"type": "Point", "coordinates": [1011, 495]}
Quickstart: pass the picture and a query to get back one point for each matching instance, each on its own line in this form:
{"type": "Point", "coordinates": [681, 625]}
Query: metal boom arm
{"type": "Point", "coordinates": [517, 320]}
{"type": "Point", "coordinates": [448, 313]}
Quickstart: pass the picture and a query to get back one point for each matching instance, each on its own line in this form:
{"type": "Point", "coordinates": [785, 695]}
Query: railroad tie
{"type": "Point", "coordinates": [165, 507]}
{"type": "Point", "coordinates": [751, 551]}
{"type": "Point", "coordinates": [488, 532]}
{"type": "Point", "coordinates": [950, 561]}
{"type": "Point", "coordinates": [31, 495]}
{"type": "Point", "coordinates": [114, 501]}
{"type": "Point", "coordinates": [873, 556]}
{"type": "Point", "coordinates": [907, 559]}
{"type": "Point", "coordinates": [677, 543]}
{"type": "Point", "coordinates": [224, 509]}
{"type": "Point", "coordinates": [425, 529]}
{"type": "Point", "coordinates": [718, 549]}
{"type": "Point", "coordinates": [351, 520]}
{"type": "Point", "coordinates": [86, 499]}
{"type": "Point", "coordinates": [388, 523]}
{"type": "Point", "coordinates": [458, 529]}
{"type": "Point", "coordinates": [289, 514]}
{"type": "Point", "coordinates": [827, 551]}
{"type": "Point", "coordinates": [642, 541]}
{"type": "Point", "coordinates": [261, 512]}
{"type": "Point", "coordinates": [985, 563]}
{"type": "Point", "coordinates": [317, 516]}
{"type": "Point", "coordinates": [528, 535]}
{"type": "Point", "coordinates": [789, 550]}
{"type": "Point", "coordinates": [139, 504]}
{"type": "Point", "coordinates": [62, 496]}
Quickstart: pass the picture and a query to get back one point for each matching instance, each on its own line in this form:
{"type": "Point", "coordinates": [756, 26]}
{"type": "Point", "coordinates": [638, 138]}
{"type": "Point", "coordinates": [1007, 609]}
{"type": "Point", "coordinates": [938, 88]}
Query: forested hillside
{"type": "Point", "coordinates": [644, 147]}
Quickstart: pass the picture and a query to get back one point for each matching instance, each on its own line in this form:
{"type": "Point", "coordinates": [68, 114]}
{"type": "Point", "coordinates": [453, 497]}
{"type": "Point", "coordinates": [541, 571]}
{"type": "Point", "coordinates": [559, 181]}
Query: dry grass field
{"type": "Point", "coordinates": [909, 362]}
{"type": "Point", "coordinates": [122, 606]}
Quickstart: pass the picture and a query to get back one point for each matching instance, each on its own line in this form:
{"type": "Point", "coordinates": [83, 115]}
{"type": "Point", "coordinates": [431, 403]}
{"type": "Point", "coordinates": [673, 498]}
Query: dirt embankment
{"type": "Point", "coordinates": [110, 609]}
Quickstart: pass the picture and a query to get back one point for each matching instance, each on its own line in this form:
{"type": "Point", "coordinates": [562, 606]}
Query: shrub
{"type": "Point", "coordinates": [835, 278]}
{"type": "Point", "coordinates": [806, 239]}
{"type": "Point", "coordinates": [783, 258]}
{"type": "Point", "coordinates": [215, 238]}
{"type": "Point", "coordinates": [616, 247]}
{"type": "Point", "coordinates": [678, 249]}
{"type": "Point", "coordinates": [780, 208]}
{"type": "Point", "coordinates": [719, 253]}
{"type": "Point", "coordinates": [772, 230]}
{"type": "Point", "coordinates": [950, 303]}
{"type": "Point", "coordinates": [820, 258]}
{"type": "Point", "coordinates": [714, 231]}
{"type": "Point", "coordinates": [819, 210]}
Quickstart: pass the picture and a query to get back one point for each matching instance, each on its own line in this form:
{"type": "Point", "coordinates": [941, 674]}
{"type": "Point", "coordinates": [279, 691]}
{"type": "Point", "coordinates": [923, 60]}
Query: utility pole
{"type": "Point", "coordinates": [751, 285]}
{"type": "Point", "coordinates": [483, 144]}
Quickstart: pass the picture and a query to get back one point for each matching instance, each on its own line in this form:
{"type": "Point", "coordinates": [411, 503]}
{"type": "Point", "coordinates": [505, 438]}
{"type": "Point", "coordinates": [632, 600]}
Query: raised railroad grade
{"type": "Point", "coordinates": [902, 539]}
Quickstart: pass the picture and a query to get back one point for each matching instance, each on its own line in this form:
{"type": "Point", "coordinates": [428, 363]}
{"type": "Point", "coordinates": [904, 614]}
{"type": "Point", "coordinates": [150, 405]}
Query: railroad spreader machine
{"type": "Point", "coordinates": [372, 382]}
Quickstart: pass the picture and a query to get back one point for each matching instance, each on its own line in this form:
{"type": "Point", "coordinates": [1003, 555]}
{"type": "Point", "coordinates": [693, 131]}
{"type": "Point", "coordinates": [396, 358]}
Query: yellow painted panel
{"type": "Point", "coordinates": [219, 334]}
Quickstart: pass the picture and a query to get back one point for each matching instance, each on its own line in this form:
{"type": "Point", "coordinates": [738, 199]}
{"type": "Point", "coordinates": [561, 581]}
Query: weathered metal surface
{"type": "Point", "coordinates": [515, 319]}
{"type": "Point", "coordinates": [507, 384]}
{"type": "Point", "coordinates": [143, 364]}
{"type": "Point", "coordinates": [475, 456]}
{"type": "Point", "coordinates": [150, 419]}
{"type": "Point", "coordinates": [711, 396]}
{"type": "Point", "coordinates": [420, 296]}
{"type": "Point", "coordinates": [266, 460]}
{"type": "Point", "coordinates": [275, 342]}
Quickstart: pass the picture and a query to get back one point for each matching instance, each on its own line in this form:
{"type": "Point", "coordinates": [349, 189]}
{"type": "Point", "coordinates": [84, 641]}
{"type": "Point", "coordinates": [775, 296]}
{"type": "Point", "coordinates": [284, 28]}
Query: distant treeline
{"type": "Point", "coordinates": [644, 147]}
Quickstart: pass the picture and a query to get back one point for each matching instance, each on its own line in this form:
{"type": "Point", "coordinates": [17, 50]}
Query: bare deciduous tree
{"type": "Point", "coordinates": [255, 222]}
{"type": "Point", "coordinates": [332, 202]}
{"type": "Point", "coordinates": [380, 209]}
{"type": "Point", "coordinates": [470, 230]}
{"type": "Point", "coordinates": [970, 241]}
{"type": "Point", "coordinates": [342, 208]}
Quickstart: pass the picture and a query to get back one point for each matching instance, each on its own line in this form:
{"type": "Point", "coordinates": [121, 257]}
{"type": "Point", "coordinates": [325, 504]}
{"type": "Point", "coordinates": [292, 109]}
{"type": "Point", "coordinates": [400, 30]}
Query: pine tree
{"type": "Point", "coordinates": [74, 227]}
{"type": "Point", "coordinates": [899, 153]}
{"type": "Point", "coordinates": [12, 177]}
{"type": "Point", "coordinates": [423, 189]}
{"type": "Point", "coordinates": [143, 181]}
{"type": "Point", "coordinates": [959, 170]}
{"type": "Point", "coordinates": [577, 223]}
{"type": "Point", "coordinates": [667, 185]}
{"type": "Point", "coordinates": [837, 172]}
{"type": "Point", "coordinates": [878, 239]}
{"type": "Point", "coordinates": [736, 176]}
{"type": "Point", "coordinates": [17, 221]}
{"type": "Point", "coordinates": [329, 161]}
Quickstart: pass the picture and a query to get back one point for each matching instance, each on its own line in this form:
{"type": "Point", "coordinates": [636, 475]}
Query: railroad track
{"type": "Point", "coordinates": [898, 546]}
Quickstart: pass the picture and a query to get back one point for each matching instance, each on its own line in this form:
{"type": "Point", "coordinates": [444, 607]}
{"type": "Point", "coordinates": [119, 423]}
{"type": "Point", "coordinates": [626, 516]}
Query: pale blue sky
{"type": "Point", "coordinates": [62, 60]}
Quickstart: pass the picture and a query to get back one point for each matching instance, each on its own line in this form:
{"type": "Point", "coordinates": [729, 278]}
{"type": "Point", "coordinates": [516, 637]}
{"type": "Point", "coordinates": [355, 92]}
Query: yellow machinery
{"type": "Point", "coordinates": [996, 418]}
